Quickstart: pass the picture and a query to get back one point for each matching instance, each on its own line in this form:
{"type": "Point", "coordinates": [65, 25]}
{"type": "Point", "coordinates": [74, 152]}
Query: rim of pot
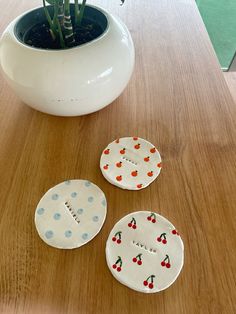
{"type": "Point", "coordinates": [102, 10]}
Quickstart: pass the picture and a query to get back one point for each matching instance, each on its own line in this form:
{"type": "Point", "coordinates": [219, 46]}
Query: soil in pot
{"type": "Point", "coordinates": [33, 29]}
{"type": "Point", "coordinates": [39, 35]}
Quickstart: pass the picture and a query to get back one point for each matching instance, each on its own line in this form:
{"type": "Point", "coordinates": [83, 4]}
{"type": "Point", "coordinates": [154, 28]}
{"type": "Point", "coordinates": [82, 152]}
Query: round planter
{"type": "Point", "coordinates": [68, 82]}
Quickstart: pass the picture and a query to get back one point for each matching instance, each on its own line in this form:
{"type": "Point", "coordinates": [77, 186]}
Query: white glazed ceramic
{"type": "Point", "coordinates": [145, 252]}
{"type": "Point", "coordinates": [71, 214]}
{"type": "Point", "coordinates": [130, 163]}
{"type": "Point", "coordinates": [74, 81]}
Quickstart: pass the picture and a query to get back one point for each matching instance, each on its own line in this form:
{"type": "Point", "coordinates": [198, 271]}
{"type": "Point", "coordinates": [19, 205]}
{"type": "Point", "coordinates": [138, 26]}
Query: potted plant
{"type": "Point", "coordinates": [67, 59]}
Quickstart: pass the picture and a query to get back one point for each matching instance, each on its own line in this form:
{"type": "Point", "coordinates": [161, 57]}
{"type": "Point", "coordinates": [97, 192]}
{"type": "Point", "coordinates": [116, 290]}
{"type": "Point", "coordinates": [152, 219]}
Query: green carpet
{"type": "Point", "coordinates": [219, 17]}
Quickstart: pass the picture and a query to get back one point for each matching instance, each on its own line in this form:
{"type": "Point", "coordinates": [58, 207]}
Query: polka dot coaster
{"type": "Point", "coordinates": [70, 214]}
{"type": "Point", "coordinates": [130, 163]}
{"type": "Point", "coordinates": [145, 252]}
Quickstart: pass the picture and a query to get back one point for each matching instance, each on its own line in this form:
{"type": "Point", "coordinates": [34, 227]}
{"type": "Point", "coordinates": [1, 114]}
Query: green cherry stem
{"type": "Point", "coordinates": [119, 234]}
{"type": "Point", "coordinates": [163, 235]}
{"type": "Point", "coordinates": [119, 261]}
{"type": "Point", "coordinates": [152, 276]}
{"type": "Point", "coordinates": [133, 220]}
{"type": "Point", "coordinates": [167, 258]}
{"type": "Point", "coordinates": [139, 256]}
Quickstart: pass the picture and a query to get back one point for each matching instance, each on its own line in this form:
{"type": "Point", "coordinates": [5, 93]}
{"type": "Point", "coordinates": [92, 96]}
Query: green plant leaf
{"type": "Point", "coordinates": [52, 28]}
{"type": "Point", "coordinates": [81, 13]}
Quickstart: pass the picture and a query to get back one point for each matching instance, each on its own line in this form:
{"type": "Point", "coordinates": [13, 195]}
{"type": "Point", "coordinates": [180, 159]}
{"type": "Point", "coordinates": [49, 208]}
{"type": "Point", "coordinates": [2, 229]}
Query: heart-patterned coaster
{"type": "Point", "coordinates": [130, 163]}
{"type": "Point", "coordinates": [70, 214]}
{"type": "Point", "coordinates": [145, 252]}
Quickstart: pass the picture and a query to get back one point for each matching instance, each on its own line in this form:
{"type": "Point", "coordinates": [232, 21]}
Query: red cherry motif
{"type": "Point", "coordinates": [137, 259]}
{"type": "Point", "coordinates": [117, 141]}
{"type": "Point", "coordinates": [162, 238]}
{"type": "Point", "coordinates": [149, 282]}
{"type": "Point", "coordinates": [132, 224]}
{"type": "Point", "coordinates": [152, 218]}
{"type": "Point", "coordinates": [119, 178]}
{"type": "Point", "coordinates": [146, 159]}
{"type": "Point", "coordinates": [118, 264]}
{"type": "Point", "coordinates": [137, 146]}
{"type": "Point", "coordinates": [134, 173]}
{"type": "Point", "coordinates": [105, 167]}
{"type": "Point", "coordinates": [122, 151]}
{"type": "Point", "coordinates": [150, 173]}
{"type": "Point", "coordinates": [107, 151]}
{"type": "Point", "coordinates": [117, 237]}
{"type": "Point", "coordinates": [139, 186]}
{"type": "Point", "coordinates": [175, 232]}
{"type": "Point", "coordinates": [135, 138]}
{"type": "Point", "coordinates": [119, 164]}
{"type": "Point", "coordinates": [166, 262]}
{"type": "Point", "coordinates": [153, 150]}
{"type": "Point", "coordinates": [159, 165]}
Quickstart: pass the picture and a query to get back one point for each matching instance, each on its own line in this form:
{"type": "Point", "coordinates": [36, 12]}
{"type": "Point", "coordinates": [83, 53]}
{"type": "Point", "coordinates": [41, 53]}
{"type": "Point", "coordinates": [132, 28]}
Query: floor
{"type": "Point", "coordinates": [220, 22]}
{"type": "Point", "coordinates": [230, 78]}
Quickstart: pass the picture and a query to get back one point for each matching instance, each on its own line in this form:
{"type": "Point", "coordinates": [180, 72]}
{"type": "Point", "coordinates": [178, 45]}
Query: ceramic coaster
{"type": "Point", "coordinates": [145, 252]}
{"type": "Point", "coordinates": [70, 214]}
{"type": "Point", "coordinates": [130, 163]}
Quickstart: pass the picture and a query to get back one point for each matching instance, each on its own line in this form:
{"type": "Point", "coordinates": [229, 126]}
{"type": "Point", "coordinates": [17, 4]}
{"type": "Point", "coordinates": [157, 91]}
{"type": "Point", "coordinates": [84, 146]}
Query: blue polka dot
{"type": "Point", "coordinates": [67, 182]}
{"type": "Point", "coordinates": [49, 234]}
{"type": "Point", "coordinates": [57, 216]}
{"type": "Point", "coordinates": [87, 183]}
{"type": "Point", "coordinates": [90, 199]}
{"type": "Point", "coordinates": [80, 210]}
{"type": "Point", "coordinates": [95, 218]}
{"type": "Point", "coordinates": [74, 194]}
{"type": "Point", "coordinates": [104, 202]}
{"type": "Point", "coordinates": [40, 211]}
{"type": "Point", "coordinates": [68, 233]}
{"type": "Point", "coordinates": [55, 197]}
{"type": "Point", "coordinates": [85, 236]}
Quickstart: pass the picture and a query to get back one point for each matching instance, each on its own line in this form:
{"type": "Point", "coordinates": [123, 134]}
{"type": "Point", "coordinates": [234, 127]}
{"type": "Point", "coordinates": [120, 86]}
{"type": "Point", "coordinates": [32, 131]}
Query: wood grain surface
{"type": "Point", "coordinates": [177, 99]}
{"type": "Point", "coordinates": [230, 78]}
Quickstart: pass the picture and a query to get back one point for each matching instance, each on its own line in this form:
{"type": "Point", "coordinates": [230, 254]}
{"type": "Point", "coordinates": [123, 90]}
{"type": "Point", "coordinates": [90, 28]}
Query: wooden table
{"type": "Point", "coordinates": [178, 100]}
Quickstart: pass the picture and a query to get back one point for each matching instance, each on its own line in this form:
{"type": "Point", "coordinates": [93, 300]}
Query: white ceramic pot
{"type": "Point", "coordinates": [69, 82]}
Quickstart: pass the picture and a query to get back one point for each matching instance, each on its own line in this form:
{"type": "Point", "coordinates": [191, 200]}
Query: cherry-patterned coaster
{"type": "Point", "coordinates": [145, 252]}
{"type": "Point", "coordinates": [70, 214]}
{"type": "Point", "coordinates": [130, 163]}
